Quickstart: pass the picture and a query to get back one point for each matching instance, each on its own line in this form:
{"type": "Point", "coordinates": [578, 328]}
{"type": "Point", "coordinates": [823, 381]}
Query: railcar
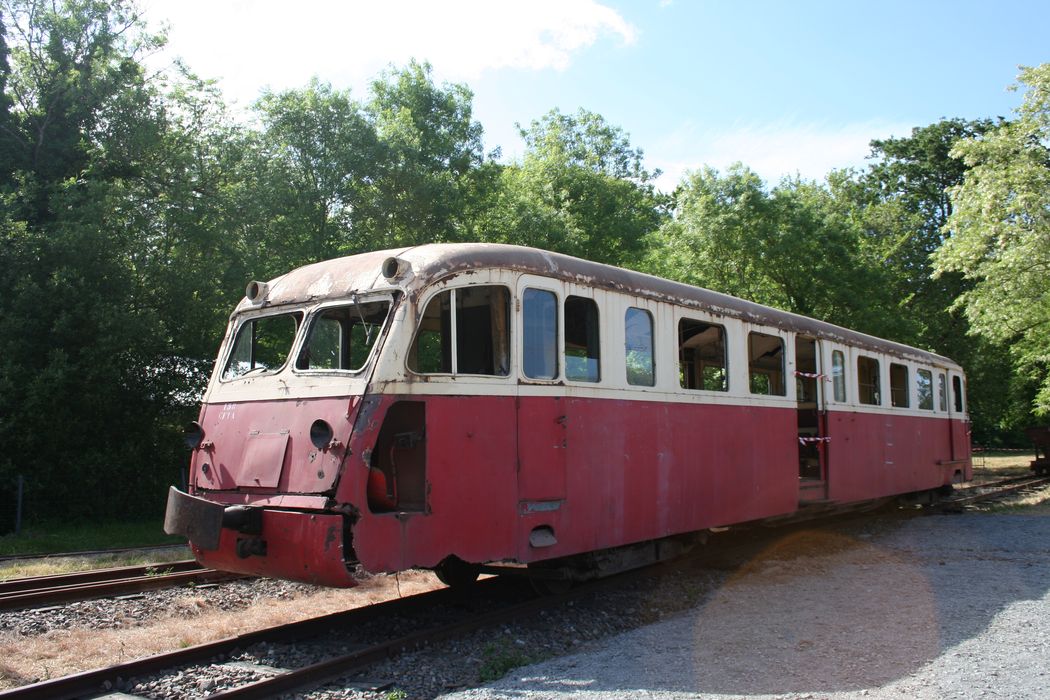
{"type": "Point", "coordinates": [450, 406]}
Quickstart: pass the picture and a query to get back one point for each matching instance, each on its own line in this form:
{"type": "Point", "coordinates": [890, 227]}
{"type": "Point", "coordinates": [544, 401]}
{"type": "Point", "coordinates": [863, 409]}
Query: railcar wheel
{"type": "Point", "coordinates": [456, 573]}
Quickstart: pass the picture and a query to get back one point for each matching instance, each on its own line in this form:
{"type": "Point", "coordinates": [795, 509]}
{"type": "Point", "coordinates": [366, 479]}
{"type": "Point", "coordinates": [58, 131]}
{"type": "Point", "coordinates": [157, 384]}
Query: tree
{"type": "Point", "coordinates": [788, 248]}
{"type": "Point", "coordinates": [429, 147]}
{"type": "Point", "coordinates": [1000, 233]}
{"type": "Point", "coordinates": [315, 160]}
{"type": "Point", "coordinates": [580, 189]}
{"type": "Point", "coordinates": [116, 260]}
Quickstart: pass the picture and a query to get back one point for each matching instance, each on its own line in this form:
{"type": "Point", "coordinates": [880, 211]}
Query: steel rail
{"type": "Point", "coordinates": [28, 583]}
{"type": "Point", "coordinates": [66, 588]}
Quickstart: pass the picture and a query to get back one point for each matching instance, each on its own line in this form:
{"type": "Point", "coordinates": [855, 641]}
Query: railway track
{"type": "Point", "coordinates": [402, 624]}
{"type": "Point", "coordinates": [364, 636]}
{"type": "Point", "coordinates": [990, 491]}
{"type": "Point", "coordinates": [35, 591]}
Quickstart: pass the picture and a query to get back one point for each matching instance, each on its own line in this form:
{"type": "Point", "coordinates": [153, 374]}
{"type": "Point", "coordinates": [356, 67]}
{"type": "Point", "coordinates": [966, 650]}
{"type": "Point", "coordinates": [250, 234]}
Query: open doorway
{"type": "Point", "coordinates": [812, 440]}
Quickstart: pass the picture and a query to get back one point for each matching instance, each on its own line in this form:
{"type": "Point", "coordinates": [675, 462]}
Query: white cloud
{"type": "Point", "coordinates": [772, 150]}
{"type": "Point", "coordinates": [249, 44]}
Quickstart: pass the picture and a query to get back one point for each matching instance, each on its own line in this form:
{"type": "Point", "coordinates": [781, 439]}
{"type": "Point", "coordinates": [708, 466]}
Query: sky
{"type": "Point", "coordinates": [788, 88]}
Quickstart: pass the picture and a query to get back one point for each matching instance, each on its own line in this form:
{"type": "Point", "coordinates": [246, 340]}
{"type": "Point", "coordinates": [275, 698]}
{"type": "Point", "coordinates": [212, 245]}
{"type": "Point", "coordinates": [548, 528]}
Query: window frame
{"type": "Point", "coordinates": [877, 391]}
{"type": "Point", "coordinates": [751, 371]}
{"type": "Point", "coordinates": [839, 381]}
{"type": "Point", "coordinates": [928, 373]}
{"type": "Point", "coordinates": [523, 287]}
{"type": "Point", "coordinates": [897, 391]}
{"type": "Point", "coordinates": [453, 329]}
{"type": "Point", "coordinates": [724, 333]}
{"type": "Point", "coordinates": [564, 339]}
{"type": "Point", "coordinates": [299, 314]}
{"type": "Point", "coordinates": [314, 314]}
{"type": "Point", "coordinates": [652, 346]}
{"type": "Point", "coordinates": [958, 394]}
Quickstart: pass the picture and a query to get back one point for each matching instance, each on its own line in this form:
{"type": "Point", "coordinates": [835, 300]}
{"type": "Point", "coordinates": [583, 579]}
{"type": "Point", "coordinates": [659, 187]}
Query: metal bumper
{"type": "Point", "coordinates": [198, 520]}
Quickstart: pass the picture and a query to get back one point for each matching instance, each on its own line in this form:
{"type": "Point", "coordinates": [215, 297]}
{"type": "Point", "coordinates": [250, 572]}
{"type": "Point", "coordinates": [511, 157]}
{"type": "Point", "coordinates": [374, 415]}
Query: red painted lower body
{"type": "Point", "coordinates": [594, 474]}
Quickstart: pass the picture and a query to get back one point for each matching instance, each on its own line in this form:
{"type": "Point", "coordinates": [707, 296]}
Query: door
{"type": "Point", "coordinates": [542, 418]}
{"type": "Point", "coordinates": [812, 421]}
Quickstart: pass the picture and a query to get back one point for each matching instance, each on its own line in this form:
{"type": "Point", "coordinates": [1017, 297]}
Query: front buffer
{"type": "Point", "coordinates": [301, 546]}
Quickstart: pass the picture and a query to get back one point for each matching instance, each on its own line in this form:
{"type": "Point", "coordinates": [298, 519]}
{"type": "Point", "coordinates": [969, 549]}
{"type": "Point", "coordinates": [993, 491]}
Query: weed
{"type": "Point", "coordinates": [497, 659]}
{"type": "Point", "coordinates": [396, 694]}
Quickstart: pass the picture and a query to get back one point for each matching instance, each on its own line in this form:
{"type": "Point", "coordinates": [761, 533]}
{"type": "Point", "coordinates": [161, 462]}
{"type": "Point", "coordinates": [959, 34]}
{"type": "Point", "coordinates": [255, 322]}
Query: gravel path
{"type": "Point", "coordinates": [932, 607]}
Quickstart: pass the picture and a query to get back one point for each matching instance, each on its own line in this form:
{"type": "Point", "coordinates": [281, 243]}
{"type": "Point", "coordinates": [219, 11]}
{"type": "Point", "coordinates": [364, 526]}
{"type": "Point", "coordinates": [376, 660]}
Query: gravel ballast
{"type": "Point", "coordinates": [930, 607]}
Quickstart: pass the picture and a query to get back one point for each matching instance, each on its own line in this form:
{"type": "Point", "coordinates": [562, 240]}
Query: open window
{"type": "Point", "coordinates": [899, 394]}
{"type": "Point", "coordinates": [702, 356]}
{"type": "Point", "coordinates": [262, 345]}
{"type": "Point", "coordinates": [473, 340]}
{"type": "Point", "coordinates": [957, 393]}
{"type": "Point", "coordinates": [868, 389]}
{"type": "Point", "coordinates": [582, 342]}
{"type": "Point", "coordinates": [341, 338]}
{"type": "Point", "coordinates": [766, 364]}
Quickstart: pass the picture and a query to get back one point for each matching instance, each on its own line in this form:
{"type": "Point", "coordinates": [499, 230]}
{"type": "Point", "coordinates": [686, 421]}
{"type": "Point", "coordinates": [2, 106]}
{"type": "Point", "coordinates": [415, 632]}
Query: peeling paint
{"type": "Point", "coordinates": [439, 262]}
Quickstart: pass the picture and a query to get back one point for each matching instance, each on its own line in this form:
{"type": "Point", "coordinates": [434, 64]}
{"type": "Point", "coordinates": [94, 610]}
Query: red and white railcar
{"type": "Point", "coordinates": [442, 404]}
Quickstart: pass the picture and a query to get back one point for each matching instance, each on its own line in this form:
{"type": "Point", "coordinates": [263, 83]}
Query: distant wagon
{"type": "Point", "coordinates": [449, 406]}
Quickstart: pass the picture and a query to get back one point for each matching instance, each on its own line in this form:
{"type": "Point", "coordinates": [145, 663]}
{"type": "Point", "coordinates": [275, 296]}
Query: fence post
{"type": "Point", "coordinates": [18, 507]}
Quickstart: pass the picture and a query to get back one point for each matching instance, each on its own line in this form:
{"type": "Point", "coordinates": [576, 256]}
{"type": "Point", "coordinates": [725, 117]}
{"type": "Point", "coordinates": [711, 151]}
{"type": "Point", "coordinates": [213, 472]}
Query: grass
{"type": "Point", "coordinates": [497, 659]}
{"type": "Point", "coordinates": [57, 538]}
{"type": "Point", "coordinates": [66, 538]}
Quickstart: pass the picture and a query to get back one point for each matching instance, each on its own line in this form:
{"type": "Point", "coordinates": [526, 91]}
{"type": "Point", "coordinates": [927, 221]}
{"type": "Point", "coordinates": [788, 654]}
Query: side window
{"type": "Point", "coordinates": [924, 383]}
{"type": "Point", "coordinates": [540, 336]}
{"type": "Point", "coordinates": [868, 390]}
{"type": "Point", "coordinates": [432, 351]}
{"type": "Point", "coordinates": [942, 392]}
{"type": "Point", "coordinates": [481, 330]}
{"type": "Point", "coordinates": [838, 375]}
{"type": "Point", "coordinates": [582, 350]}
{"type": "Point", "coordinates": [957, 393]}
{"type": "Point", "coordinates": [342, 337]}
{"type": "Point", "coordinates": [702, 356]}
{"type": "Point", "coordinates": [262, 345]}
{"type": "Point", "coordinates": [766, 363]}
{"type": "Point", "coordinates": [638, 348]}
{"type": "Point", "coordinates": [899, 385]}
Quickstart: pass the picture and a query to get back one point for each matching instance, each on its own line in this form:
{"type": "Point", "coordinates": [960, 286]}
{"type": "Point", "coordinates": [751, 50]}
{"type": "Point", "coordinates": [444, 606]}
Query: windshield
{"type": "Point", "coordinates": [342, 337]}
{"type": "Point", "coordinates": [262, 344]}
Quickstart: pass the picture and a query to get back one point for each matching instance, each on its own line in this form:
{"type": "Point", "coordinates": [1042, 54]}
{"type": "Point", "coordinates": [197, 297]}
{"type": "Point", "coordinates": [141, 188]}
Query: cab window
{"type": "Point", "coordinates": [262, 345]}
{"type": "Point", "coordinates": [341, 338]}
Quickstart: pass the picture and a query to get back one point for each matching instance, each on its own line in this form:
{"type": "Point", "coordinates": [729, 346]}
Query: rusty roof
{"type": "Point", "coordinates": [338, 278]}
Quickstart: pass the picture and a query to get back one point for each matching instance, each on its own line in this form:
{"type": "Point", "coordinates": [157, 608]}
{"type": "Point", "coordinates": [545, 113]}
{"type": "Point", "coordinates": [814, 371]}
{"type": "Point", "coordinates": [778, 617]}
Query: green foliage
{"type": "Point", "coordinates": [580, 189]}
{"type": "Point", "coordinates": [1001, 234]}
{"type": "Point", "coordinates": [788, 248]}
